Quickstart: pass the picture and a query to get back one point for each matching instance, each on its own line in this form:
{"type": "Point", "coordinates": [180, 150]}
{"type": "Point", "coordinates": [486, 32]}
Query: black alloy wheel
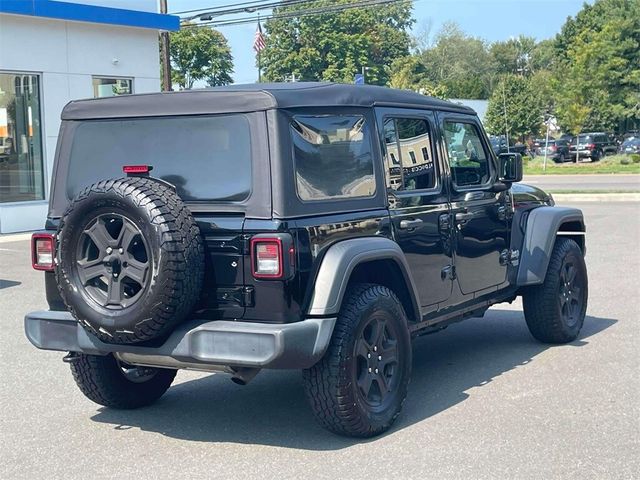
{"type": "Point", "coordinates": [571, 290]}
{"type": "Point", "coordinates": [113, 261]}
{"type": "Point", "coordinates": [376, 365]}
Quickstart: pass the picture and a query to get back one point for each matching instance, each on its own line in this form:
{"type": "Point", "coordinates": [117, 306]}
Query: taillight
{"type": "Point", "coordinates": [267, 258]}
{"type": "Point", "coordinates": [43, 251]}
{"type": "Point", "coordinates": [591, 146]}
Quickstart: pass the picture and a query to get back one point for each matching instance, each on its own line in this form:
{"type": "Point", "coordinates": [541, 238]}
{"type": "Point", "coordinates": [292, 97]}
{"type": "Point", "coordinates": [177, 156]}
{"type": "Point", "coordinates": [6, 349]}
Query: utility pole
{"type": "Point", "coordinates": [166, 58]}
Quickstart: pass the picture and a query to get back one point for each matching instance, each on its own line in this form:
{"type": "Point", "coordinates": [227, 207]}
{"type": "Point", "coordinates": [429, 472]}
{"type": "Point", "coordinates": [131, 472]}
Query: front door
{"type": "Point", "coordinates": [479, 214]}
{"type": "Point", "coordinates": [418, 201]}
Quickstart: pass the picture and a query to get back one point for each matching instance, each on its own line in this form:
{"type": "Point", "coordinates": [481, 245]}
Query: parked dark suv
{"type": "Point", "coordinates": [556, 150]}
{"type": "Point", "coordinates": [593, 146]}
{"type": "Point", "coordinates": [296, 226]}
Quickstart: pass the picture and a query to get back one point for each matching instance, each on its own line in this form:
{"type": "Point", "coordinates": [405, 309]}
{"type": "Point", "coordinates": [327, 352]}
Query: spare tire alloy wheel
{"type": "Point", "coordinates": [113, 261]}
{"type": "Point", "coordinates": [130, 260]}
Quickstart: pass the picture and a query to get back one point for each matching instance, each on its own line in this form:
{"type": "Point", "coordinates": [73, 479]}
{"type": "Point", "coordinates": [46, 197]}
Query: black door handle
{"type": "Point", "coordinates": [406, 224]}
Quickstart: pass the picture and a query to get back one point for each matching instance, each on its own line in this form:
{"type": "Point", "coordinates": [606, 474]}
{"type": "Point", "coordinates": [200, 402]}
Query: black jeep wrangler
{"type": "Point", "coordinates": [296, 226]}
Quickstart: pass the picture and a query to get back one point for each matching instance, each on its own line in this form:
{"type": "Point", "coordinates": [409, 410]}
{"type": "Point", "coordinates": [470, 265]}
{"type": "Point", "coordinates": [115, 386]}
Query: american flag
{"type": "Point", "coordinates": [258, 40]}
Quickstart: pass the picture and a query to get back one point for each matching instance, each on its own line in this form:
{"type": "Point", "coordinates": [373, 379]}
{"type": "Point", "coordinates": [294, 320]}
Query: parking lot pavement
{"type": "Point", "coordinates": [486, 400]}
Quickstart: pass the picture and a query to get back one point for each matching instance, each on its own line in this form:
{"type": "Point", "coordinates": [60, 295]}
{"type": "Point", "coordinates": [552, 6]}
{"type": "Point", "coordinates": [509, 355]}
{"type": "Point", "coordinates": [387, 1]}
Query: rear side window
{"type": "Point", "coordinates": [332, 157]}
{"type": "Point", "coordinates": [206, 158]}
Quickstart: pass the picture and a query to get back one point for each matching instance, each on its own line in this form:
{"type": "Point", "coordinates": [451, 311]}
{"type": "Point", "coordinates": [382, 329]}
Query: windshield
{"type": "Point", "coordinates": [631, 142]}
{"type": "Point", "coordinates": [205, 158]}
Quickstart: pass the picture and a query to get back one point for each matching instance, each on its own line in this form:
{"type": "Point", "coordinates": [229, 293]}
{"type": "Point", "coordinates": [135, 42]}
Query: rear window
{"type": "Point", "coordinates": [583, 139]}
{"type": "Point", "coordinates": [206, 158]}
{"type": "Point", "coordinates": [332, 156]}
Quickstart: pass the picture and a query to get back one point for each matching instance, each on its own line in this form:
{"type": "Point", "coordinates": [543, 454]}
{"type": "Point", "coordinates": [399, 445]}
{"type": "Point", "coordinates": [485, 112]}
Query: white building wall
{"type": "Point", "coordinates": [67, 55]}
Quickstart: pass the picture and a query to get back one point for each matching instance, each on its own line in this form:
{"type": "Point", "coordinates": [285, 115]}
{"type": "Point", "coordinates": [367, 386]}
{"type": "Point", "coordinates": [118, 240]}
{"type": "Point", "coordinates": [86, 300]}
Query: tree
{"type": "Point", "coordinates": [409, 73]}
{"type": "Point", "coordinates": [200, 53]}
{"type": "Point", "coordinates": [516, 105]}
{"type": "Point", "coordinates": [461, 64]}
{"type": "Point", "coordinates": [514, 56]}
{"type": "Point", "coordinates": [334, 46]}
{"type": "Point", "coordinates": [601, 66]}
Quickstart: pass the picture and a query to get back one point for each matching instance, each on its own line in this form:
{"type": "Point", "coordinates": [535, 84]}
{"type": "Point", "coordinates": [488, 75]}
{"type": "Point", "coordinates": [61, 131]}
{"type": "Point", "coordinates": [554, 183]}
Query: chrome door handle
{"type": "Point", "coordinates": [407, 224]}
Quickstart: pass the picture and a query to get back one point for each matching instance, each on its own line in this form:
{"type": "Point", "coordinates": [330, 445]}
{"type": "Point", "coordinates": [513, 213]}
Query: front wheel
{"type": "Point", "coordinates": [555, 310]}
{"type": "Point", "coordinates": [109, 382]}
{"type": "Point", "coordinates": [359, 386]}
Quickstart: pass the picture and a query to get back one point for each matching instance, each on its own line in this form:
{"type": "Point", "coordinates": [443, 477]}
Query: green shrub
{"type": "Point", "coordinates": [625, 161]}
{"type": "Point", "coordinates": [635, 158]}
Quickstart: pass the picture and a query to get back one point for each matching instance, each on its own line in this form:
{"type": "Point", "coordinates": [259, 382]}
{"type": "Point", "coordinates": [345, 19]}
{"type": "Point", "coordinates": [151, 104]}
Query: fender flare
{"type": "Point", "coordinates": [543, 226]}
{"type": "Point", "coordinates": [338, 265]}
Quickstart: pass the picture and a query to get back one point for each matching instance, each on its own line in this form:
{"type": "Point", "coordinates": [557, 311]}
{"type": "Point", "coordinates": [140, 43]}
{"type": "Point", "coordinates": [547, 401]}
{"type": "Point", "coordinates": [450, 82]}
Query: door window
{"type": "Point", "coordinates": [468, 159]}
{"type": "Point", "coordinates": [406, 170]}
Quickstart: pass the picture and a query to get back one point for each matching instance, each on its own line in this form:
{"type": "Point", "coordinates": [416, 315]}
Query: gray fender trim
{"type": "Point", "coordinates": [541, 232]}
{"type": "Point", "coordinates": [340, 261]}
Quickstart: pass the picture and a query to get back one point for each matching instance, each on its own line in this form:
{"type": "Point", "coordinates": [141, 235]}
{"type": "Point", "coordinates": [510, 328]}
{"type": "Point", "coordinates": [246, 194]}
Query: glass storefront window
{"type": "Point", "coordinates": [109, 87]}
{"type": "Point", "coordinates": [21, 173]}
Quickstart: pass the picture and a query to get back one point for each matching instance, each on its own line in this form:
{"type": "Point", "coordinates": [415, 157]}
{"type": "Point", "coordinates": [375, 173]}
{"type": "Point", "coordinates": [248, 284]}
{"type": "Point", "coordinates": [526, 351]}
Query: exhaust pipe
{"type": "Point", "coordinates": [242, 376]}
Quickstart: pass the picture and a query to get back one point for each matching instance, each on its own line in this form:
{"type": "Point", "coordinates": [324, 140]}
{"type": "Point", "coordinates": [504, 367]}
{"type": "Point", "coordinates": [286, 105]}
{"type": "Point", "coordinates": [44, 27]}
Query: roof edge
{"type": "Point", "coordinates": [90, 13]}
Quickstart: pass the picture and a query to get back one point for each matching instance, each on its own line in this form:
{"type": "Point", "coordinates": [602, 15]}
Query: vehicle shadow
{"type": "Point", "coordinates": [272, 409]}
{"type": "Point", "coordinates": [8, 283]}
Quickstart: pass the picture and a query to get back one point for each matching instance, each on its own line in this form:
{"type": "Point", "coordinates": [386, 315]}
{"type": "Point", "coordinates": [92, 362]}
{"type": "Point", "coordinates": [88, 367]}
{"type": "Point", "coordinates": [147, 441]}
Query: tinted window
{"type": "Point", "coordinates": [332, 155]}
{"type": "Point", "coordinates": [408, 161]}
{"type": "Point", "coordinates": [468, 160]}
{"type": "Point", "coordinates": [206, 158]}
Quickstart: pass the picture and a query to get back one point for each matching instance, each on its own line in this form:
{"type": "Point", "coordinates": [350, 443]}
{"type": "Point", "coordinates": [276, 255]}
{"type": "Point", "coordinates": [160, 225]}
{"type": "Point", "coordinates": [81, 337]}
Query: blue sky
{"type": "Point", "coordinates": [489, 19]}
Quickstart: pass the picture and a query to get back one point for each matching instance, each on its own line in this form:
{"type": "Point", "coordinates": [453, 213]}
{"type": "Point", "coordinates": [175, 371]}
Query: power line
{"type": "Point", "coordinates": [230, 5]}
{"type": "Point", "coordinates": [298, 13]}
{"type": "Point", "coordinates": [238, 8]}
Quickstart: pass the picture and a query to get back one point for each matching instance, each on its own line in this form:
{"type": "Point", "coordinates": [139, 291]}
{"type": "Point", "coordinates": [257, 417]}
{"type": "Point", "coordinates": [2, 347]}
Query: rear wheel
{"type": "Point", "coordinates": [109, 382]}
{"type": "Point", "coordinates": [555, 310]}
{"type": "Point", "coordinates": [359, 386]}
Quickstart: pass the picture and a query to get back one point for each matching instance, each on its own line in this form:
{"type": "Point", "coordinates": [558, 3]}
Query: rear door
{"type": "Point", "coordinates": [418, 202]}
{"type": "Point", "coordinates": [479, 214]}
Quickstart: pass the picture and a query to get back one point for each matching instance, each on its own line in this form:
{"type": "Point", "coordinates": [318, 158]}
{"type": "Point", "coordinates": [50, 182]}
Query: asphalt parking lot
{"type": "Point", "coordinates": [486, 400]}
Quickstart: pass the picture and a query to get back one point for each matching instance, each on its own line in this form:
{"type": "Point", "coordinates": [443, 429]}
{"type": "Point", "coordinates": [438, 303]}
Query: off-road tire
{"type": "Point", "coordinates": [331, 385]}
{"type": "Point", "coordinates": [543, 304]}
{"type": "Point", "coordinates": [101, 380]}
{"type": "Point", "coordinates": [175, 268]}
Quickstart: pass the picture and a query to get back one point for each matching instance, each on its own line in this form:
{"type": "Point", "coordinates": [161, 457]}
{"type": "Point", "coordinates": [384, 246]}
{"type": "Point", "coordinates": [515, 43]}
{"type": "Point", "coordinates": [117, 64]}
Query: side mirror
{"type": "Point", "coordinates": [510, 167]}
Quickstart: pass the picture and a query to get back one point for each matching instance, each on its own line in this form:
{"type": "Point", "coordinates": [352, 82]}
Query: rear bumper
{"type": "Point", "coordinates": [583, 153]}
{"type": "Point", "coordinates": [215, 343]}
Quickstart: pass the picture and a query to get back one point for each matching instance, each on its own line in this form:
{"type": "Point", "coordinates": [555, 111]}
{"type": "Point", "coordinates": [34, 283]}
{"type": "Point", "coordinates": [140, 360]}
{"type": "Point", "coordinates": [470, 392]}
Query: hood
{"type": "Point", "coordinates": [524, 195]}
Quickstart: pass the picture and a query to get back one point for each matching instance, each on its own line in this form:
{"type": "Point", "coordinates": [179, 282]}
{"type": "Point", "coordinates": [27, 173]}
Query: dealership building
{"type": "Point", "coordinates": [52, 52]}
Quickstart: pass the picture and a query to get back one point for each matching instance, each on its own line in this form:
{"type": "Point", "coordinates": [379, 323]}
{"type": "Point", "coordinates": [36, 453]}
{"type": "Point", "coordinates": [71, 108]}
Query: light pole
{"type": "Point", "coordinates": [364, 69]}
{"type": "Point", "coordinates": [547, 120]}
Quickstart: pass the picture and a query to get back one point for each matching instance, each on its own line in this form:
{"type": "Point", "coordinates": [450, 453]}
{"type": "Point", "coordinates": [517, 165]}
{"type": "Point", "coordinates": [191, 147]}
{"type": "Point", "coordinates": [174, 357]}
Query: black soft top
{"type": "Point", "coordinates": [250, 98]}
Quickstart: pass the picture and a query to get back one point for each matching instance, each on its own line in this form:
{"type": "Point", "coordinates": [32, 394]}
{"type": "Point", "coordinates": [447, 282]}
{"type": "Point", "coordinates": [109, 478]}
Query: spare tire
{"type": "Point", "coordinates": [130, 260]}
